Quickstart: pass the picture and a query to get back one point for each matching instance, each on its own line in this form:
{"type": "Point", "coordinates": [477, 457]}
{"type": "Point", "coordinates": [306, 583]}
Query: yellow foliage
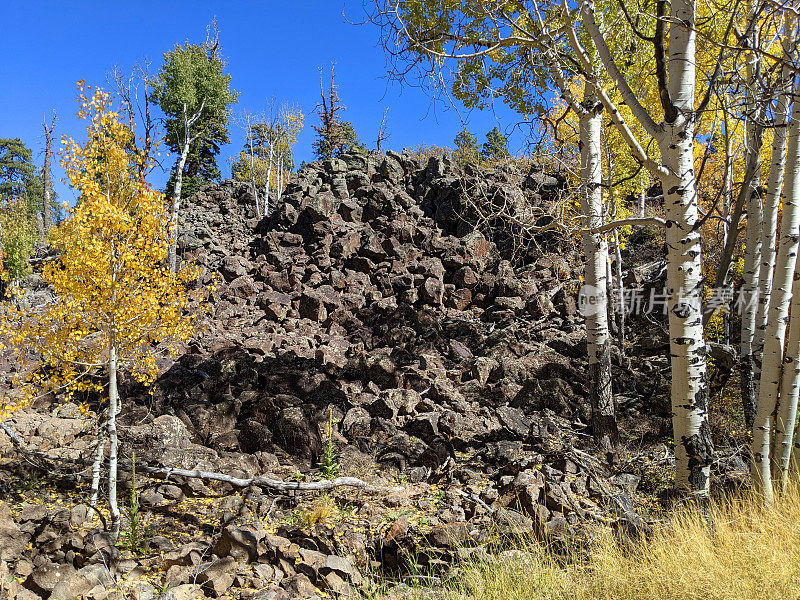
{"type": "Point", "coordinates": [111, 283]}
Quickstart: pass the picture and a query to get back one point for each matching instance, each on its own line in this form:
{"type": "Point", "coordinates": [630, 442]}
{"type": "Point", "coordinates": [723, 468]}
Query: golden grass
{"type": "Point", "coordinates": [750, 553]}
{"type": "Point", "coordinates": [321, 512]}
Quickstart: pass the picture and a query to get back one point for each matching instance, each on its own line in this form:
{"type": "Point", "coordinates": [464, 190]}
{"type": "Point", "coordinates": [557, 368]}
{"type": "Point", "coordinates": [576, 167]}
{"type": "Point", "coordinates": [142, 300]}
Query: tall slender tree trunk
{"type": "Point", "coordinates": [786, 413]}
{"type": "Point", "coordinates": [113, 409]}
{"type": "Point", "coordinates": [772, 197]}
{"type": "Point", "coordinates": [692, 435]}
{"type": "Point", "coordinates": [280, 180]}
{"type": "Point", "coordinates": [752, 259]}
{"type": "Point", "coordinates": [620, 293]}
{"type": "Point", "coordinates": [176, 207]}
{"type": "Point", "coordinates": [268, 208]}
{"type": "Point", "coordinates": [595, 245]}
{"type": "Point", "coordinates": [96, 465]}
{"type": "Point", "coordinates": [176, 197]}
{"type": "Point", "coordinates": [778, 312]}
{"type": "Point", "coordinates": [47, 208]}
{"type": "Point", "coordinates": [253, 170]}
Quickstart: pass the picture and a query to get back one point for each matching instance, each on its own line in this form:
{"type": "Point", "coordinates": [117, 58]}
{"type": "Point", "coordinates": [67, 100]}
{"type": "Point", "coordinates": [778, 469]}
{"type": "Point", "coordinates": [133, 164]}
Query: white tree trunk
{"type": "Point", "coordinates": [596, 280]}
{"type": "Point", "coordinates": [786, 414]}
{"type": "Point", "coordinates": [641, 202]}
{"type": "Point", "coordinates": [620, 292]}
{"type": "Point", "coordinates": [47, 201]}
{"type": "Point", "coordinates": [778, 312]}
{"type": "Point", "coordinates": [176, 197]}
{"type": "Point", "coordinates": [692, 435]}
{"type": "Point", "coordinates": [267, 185]}
{"type": "Point", "coordinates": [98, 461]}
{"type": "Point", "coordinates": [280, 181]}
{"type": "Point", "coordinates": [693, 444]}
{"type": "Point", "coordinates": [113, 410]}
{"type": "Point", "coordinates": [772, 196]}
{"type": "Point", "coordinates": [176, 206]}
{"type": "Point", "coordinates": [752, 257]}
{"type": "Point", "coordinates": [253, 170]}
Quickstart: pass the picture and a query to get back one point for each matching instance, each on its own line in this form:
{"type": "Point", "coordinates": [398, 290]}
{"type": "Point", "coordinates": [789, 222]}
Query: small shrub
{"type": "Point", "coordinates": [329, 463]}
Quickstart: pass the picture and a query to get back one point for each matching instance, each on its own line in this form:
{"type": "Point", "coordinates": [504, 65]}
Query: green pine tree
{"type": "Point", "coordinates": [496, 145]}
{"type": "Point", "coordinates": [467, 150]}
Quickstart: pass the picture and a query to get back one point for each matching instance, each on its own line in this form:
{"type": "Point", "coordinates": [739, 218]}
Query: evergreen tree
{"type": "Point", "coordinates": [18, 176]}
{"type": "Point", "coordinates": [192, 82]}
{"type": "Point", "coordinates": [496, 145]}
{"type": "Point", "coordinates": [194, 93]}
{"type": "Point", "coordinates": [467, 149]}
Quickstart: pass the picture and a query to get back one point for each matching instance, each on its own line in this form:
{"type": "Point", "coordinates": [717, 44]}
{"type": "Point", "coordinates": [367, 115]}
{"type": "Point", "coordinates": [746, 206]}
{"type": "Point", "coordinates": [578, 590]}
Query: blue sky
{"type": "Point", "coordinates": [274, 50]}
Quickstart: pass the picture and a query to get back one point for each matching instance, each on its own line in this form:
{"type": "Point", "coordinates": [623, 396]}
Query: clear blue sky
{"type": "Point", "coordinates": [273, 48]}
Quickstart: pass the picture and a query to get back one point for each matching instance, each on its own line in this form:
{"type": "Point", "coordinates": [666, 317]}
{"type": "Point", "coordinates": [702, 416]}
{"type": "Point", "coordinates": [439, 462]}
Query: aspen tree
{"type": "Point", "coordinates": [780, 299]}
{"type": "Point", "coordinates": [116, 305]}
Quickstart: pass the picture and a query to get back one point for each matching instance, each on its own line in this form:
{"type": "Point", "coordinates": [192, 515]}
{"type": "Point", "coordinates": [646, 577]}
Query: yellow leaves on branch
{"type": "Point", "coordinates": [111, 282]}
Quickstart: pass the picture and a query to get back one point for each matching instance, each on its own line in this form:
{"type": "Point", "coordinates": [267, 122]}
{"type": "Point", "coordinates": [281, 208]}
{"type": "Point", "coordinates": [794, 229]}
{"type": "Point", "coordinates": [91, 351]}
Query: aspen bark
{"type": "Point", "coordinates": [778, 313]}
{"type": "Point", "coordinates": [692, 435]}
{"type": "Point", "coordinates": [675, 137]}
{"type": "Point", "coordinates": [752, 259]}
{"type": "Point", "coordinates": [176, 197]}
{"type": "Point", "coordinates": [786, 413]}
{"type": "Point", "coordinates": [620, 292]}
{"type": "Point", "coordinates": [98, 461]}
{"type": "Point", "coordinates": [268, 209]}
{"type": "Point", "coordinates": [113, 409]}
{"type": "Point", "coordinates": [176, 207]}
{"type": "Point", "coordinates": [595, 246]}
{"type": "Point", "coordinates": [253, 169]}
{"type": "Point", "coordinates": [772, 196]}
{"type": "Point", "coordinates": [280, 181]}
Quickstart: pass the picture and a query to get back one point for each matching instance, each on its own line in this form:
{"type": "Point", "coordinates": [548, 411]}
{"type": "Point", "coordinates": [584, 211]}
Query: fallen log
{"type": "Point", "coordinates": [238, 482]}
{"type": "Point", "coordinates": [266, 482]}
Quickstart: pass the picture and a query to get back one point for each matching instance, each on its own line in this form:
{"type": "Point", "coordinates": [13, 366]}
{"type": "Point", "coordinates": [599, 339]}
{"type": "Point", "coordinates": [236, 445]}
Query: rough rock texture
{"type": "Point", "coordinates": [369, 298]}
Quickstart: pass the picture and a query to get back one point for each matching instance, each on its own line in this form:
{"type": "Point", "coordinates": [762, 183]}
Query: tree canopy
{"type": "Point", "coordinates": [193, 81]}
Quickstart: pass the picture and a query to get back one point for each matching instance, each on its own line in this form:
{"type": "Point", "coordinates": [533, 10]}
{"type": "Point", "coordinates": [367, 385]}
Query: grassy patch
{"type": "Point", "coordinates": [747, 552]}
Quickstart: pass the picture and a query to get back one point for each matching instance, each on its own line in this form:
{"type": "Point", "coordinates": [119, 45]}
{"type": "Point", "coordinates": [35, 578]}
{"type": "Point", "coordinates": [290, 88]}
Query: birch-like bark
{"type": "Point", "coordinates": [604, 422]}
{"type": "Point", "coordinates": [280, 181]}
{"type": "Point", "coordinates": [113, 410]}
{"type": "Point", "coordinates": [176, 196]}
{"type": "Point", "coordinates": [98, 461]}
{"type": "Point", "coordinates": [253, 169]}
{"type": "Point", "coordinates": [620, 292]}
{"type": "Point", "coordinates": [778, 313]}
{"type": "Point", "coordinates": [616, 312]}
{"type": "Point", "coordinates": [786, 413]}
{"type": "Point", "coordinates": [689, 390]}
{"type": "Point", "coordinates": [268, 208]}
{"type": "Point", "coordinates": [692, 435]}
{"type": "Point", "coordinates": [752, 259]}
{"type": "Point", "coordinates": [595, 247]}
{"type": "Point", "coordinates": [772, 196]}
{"type": "Point", "coordinates": [176, 207]}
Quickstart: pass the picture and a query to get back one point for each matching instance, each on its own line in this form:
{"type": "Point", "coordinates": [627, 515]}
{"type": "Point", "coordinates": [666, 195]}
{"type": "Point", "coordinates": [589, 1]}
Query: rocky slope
{"type": "Point", "coordinates": [371, 299]}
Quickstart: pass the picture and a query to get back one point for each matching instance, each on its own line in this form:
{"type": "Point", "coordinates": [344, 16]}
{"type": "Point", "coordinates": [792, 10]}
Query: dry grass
{"type": "Point", "coordinates": [322, 512]}
{"type": "Point", "coordinates": [750, 553]}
